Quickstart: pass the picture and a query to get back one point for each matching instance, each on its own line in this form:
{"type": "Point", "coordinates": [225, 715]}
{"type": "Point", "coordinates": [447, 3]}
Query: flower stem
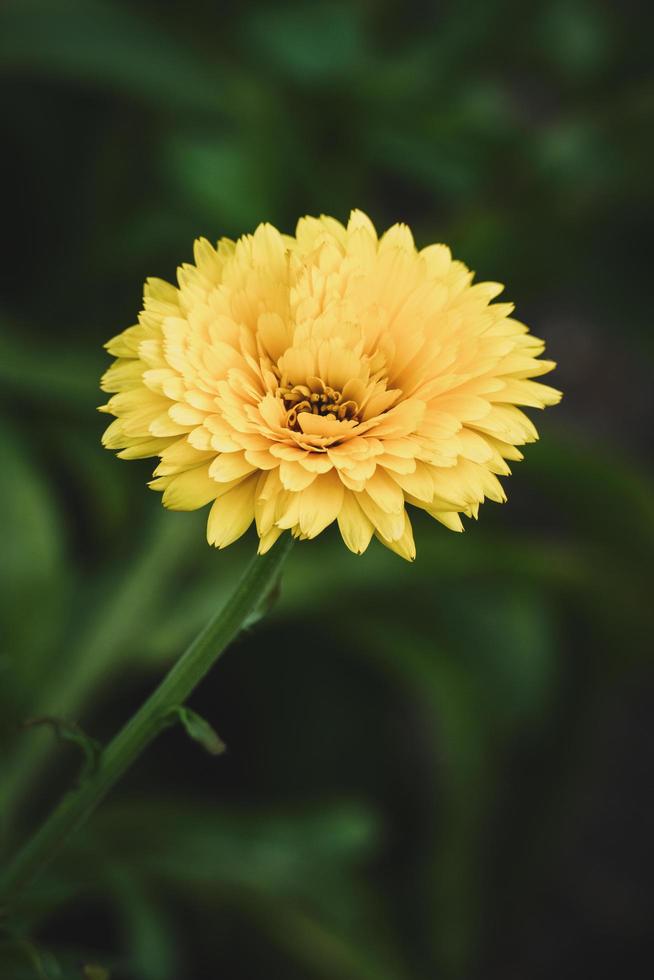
{"type": "Point", "coordinates": [153, 716]}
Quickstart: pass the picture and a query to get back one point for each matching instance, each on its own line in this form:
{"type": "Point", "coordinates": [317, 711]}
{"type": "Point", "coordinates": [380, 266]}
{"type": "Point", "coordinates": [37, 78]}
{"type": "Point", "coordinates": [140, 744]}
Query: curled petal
{"type": "Point", "coordinates": [334, 374]}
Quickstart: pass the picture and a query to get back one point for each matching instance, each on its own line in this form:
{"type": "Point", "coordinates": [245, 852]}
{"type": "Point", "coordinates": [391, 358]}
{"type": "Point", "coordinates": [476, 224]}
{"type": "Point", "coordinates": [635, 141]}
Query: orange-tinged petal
{"type": "Point", "coordinates": [332, 374]}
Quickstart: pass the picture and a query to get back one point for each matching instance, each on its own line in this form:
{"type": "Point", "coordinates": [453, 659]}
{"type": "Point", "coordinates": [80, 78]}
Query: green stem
{"type": "Point", "coordinates": [94, 658]}
{"type": "Point", "coordinates": [149, 720]}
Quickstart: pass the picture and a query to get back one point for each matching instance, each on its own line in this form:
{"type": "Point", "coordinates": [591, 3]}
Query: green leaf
{"type": "Point", "coordinates": [91, 971]}
{"type": "Point", "coordinates": [150, 935]}
{"type": "Point", "coordinates": [63, 375]}
{"type": "Point", "coordinates": [116, 613]}
{"type": "Point", "coordinates": [219, 179]}
{"type": "Point", "coordinates": [273, 852]}
{"type": "Point", "coordinates": [200, 730]}
{"type": "Point", "coordinates": [286, 36]}
{"type": "Point", "coordinates": [20, 959]}
{"type": "Point", "coordinates": [106, 46]}
{"type": "Point", "coordinates": [32, 558]}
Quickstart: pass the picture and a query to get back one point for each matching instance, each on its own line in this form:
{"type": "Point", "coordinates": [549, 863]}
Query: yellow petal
{"type": "Point", "coordinates": [123, 374]}
{"type": "Point", "coordinates": [403, 546]}
{"type": "Point", "coordinates": [179, 456]}
{"type": "Point", "coordinates": [294, 476]}
{"type": "Point", "coordinates": [391, 526]}
{"type": "Point", "coordinates": [141, 450]}
{"type": "Point", "coordinates": [449, 519]}
{"type": "Point", "coordinates": [188, 490]}
{"type": "Point", "coordinates": [356, 529]}
{"type": "Point", "coordinates": [230, 466]}
{"type": "Point", "coordinates": [320, 504]}
{"type": "Point", "coordinates": [232, 514]}
{"type": "Point", "coordinates": [419, 483]}
{"type": "Point", "coordinates": [425, 369]}
{"type": "Point", "coordinates": [267, 540]}
{"type": "Point", "coordinates": [385, 492]}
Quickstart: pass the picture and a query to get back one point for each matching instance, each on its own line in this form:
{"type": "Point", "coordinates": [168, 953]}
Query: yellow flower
{"type": "Point", "coordinates": [329, 376]}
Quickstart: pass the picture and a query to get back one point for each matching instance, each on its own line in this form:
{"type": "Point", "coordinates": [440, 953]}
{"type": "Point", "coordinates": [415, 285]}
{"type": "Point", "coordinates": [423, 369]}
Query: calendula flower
{"type": "Point", "coordinates": [330, 376]}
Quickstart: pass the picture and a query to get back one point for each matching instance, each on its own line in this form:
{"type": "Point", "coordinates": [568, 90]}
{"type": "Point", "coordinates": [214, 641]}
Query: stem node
{"type": "Point", "coordinates": [151, 718]}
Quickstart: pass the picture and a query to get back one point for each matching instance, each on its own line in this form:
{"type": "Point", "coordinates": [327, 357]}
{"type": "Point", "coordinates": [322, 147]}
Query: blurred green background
{"type": "Point", "coordinates": [441, 770]}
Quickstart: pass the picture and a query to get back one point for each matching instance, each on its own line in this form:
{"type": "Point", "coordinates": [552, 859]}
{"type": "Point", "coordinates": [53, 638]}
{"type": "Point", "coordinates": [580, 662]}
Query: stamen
{"type": "Point", "coordinates": [329, 401]}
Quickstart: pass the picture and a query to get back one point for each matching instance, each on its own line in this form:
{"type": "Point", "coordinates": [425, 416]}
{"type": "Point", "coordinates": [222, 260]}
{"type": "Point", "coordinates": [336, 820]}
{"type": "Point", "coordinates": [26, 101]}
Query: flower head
{"type": "Point", "coordinates": [330, 376]}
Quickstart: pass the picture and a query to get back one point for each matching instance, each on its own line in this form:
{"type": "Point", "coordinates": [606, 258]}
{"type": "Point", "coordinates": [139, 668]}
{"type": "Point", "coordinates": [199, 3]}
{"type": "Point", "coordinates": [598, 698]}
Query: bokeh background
{"type": "Point", "coordinates": [441, 770]}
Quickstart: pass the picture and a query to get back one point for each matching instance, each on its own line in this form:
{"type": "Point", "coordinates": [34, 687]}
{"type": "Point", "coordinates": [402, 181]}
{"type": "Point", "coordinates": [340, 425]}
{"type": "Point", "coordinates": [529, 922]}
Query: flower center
{"type": "Point", "coordinates": [318, 399]}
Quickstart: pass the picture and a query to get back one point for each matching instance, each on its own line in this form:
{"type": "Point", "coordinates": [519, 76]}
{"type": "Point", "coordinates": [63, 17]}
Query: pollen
{"type": "Point", "coordinates": [317, 398]}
